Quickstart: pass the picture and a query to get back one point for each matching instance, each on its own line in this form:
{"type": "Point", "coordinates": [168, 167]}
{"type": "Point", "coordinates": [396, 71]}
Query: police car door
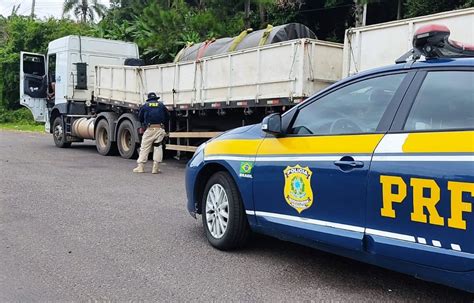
{"type": "Point", "coordinates": [421, 181]}
{"type": "Point", "coordinates": [311, 183]}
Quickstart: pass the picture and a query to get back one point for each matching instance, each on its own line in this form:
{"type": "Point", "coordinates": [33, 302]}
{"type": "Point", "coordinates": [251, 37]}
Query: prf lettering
{"type": "Point", "coordinates": [426, 196]}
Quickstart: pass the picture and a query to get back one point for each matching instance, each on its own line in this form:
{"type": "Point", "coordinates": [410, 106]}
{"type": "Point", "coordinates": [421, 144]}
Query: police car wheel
{"type": "Point", "coordinates": [59, 135]}
{"type": "Point", "coordinates": [223, 215]}
{"type": "Point", "coordinates": [126, 140]}
{"type": "Point", "coordinates": [103, 141]}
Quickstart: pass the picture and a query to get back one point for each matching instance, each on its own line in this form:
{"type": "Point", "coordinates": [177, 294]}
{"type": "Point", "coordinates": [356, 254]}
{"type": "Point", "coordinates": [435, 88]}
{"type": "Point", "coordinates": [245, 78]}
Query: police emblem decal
{"type": "Point", "coordinates": [246, 169]}
{"type": "Point", "coordinates": [297, 191]}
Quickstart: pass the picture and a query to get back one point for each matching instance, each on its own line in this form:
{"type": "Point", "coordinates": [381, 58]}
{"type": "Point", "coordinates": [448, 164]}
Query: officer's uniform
{"type": "Point", "coordinates": [154, 116]}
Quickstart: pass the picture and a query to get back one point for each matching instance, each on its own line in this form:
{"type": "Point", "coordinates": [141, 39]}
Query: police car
{"type": "Point", "coordinates": [378, 167]}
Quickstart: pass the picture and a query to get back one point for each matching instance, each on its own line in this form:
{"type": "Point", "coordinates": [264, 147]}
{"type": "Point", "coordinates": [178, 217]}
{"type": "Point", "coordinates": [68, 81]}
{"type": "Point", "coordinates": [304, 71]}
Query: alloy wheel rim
{"type": "Point", "coordinates": [217, 211]}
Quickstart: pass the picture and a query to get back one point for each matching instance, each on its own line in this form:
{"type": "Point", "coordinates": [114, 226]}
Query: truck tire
{"type": "Point", "coordinates": [126, 140]}
{"type": "Point", "coordinates": [103, 143]}
{"type": "Point", "coordinates": [222, 198]}
{"type": "Point", "coordinates": [59, 134]}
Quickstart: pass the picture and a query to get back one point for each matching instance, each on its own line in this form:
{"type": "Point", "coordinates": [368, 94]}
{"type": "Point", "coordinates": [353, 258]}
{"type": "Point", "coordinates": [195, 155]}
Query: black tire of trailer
{"type": "Point", "coordinates": [126, 140]}
{"type": "Point", "coordinates": [237, 232]}
{"type": "Point", "coordinates": [103, 141]}
{"type": "Point", "coordinates": [59, 135]}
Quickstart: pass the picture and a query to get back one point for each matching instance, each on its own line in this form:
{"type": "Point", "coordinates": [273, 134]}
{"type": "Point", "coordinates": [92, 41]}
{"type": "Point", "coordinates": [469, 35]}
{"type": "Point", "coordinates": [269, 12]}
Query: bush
{"type": "Point", "coordinates": [21, 116]}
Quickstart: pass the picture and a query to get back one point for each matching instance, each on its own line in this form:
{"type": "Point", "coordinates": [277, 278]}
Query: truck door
{"type": "Point", "coordinates": [33, 85]}
{"type": "Point", "coordinates": [421, 181]}
{"type": "Point", "coordinates": [312, 182]}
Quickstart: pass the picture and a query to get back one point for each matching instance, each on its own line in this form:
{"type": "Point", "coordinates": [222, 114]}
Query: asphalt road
{"type": "Point", "coordinates": [78, 226]}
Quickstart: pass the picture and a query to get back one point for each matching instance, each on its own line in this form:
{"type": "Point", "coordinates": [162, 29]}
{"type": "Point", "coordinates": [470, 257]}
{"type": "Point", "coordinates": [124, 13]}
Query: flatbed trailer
{"type": "Point", "coordinates": [276, 74]}
{"type": "Point", "coordinates": [224, 91]}
{"type": "Point", "coordinates": [205, 97]}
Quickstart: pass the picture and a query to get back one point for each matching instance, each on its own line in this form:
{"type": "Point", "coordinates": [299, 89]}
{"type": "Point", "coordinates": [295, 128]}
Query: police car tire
{"type": "Point", "coordinates": [108, 147]}
{"type": "Point", "coordinates": [238, 230]}
{"type": "Point", "coordinates": [132, 151]}
{"type": "Point", "coordinates": [61, 143]}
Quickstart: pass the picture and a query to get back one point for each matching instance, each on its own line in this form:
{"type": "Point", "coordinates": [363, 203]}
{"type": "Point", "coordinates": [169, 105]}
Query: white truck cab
{"type": "Point", "coordinates": [67, 71]}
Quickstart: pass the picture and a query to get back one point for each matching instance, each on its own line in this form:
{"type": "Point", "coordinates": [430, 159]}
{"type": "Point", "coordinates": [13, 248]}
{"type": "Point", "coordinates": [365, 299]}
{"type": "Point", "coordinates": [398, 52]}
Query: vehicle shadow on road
{"type": "Point", "coordinates": [89, 146]}
{"type": "Point", "coordinates": [348, 274]}
{"type": "Point", "coordinates": [322, 270]}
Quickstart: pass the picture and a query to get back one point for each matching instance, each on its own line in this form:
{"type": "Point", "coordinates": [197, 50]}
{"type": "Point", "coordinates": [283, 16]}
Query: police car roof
{"type": "Point", "coordinates": [431, 63]}
{"type": "Point", "coordinates": [436, 62]}
{"type": "Point", "coordinates": [453, 62]}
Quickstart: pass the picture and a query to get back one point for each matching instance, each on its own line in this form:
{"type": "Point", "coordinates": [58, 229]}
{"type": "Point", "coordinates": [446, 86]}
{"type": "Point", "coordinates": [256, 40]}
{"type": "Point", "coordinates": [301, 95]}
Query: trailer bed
{"type": "Point", "coordinates": [278, 74]}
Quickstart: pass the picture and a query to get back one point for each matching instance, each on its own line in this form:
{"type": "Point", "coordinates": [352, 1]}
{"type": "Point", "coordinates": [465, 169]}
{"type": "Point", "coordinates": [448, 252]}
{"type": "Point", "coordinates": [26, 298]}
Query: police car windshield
{"type": "Point", "coordinates": [355, 108]}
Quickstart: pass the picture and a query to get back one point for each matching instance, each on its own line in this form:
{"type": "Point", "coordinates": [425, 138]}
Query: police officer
{"type": "Point", "coordinates": [154, 116]}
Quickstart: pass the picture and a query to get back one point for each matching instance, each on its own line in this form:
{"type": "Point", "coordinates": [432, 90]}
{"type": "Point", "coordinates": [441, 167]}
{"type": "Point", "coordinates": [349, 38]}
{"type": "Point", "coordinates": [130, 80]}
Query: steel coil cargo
{"type": "Point", "coordinates": [246, 39]}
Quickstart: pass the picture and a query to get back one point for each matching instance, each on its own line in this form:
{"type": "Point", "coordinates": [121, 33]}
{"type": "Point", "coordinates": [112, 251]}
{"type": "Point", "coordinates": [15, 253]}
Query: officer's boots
{"type": "Point", "coordinates": [156, 168]}
{"type": "Point", "coordinates": [140, 168]}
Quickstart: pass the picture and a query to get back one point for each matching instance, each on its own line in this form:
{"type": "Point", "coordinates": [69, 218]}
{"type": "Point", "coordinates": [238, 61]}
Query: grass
{"type": "Point", "coordinates": [22, 127]}
{"type": "Point", "coordinates": [20, 119]}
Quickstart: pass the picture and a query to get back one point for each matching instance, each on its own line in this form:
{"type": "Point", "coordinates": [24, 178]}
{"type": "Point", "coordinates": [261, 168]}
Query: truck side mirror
{"type": "Point", "coordinates": [272, 124]}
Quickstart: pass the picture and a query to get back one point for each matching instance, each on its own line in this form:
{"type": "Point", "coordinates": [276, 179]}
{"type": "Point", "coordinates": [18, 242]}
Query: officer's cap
{"type": "Point", "coordinates": [152, 96]}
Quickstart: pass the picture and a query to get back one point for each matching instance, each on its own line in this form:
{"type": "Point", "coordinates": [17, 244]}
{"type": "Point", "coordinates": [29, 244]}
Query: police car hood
{"type": "Point", "coordinates": [249, 131]}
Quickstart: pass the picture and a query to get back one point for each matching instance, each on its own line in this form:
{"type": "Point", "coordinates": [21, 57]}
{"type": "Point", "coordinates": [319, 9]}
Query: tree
{"type": "Point", "coordinates": [162, 32]}
{"type": "Point", "coordinates": [416, 8]}
{"type": "Point", "coordinates": [15, 9]}
{"type": "Point", "coordinates": [84, 10]}
{"type": "Point", "coordinates": [162, 27]}
{"type": "Point", "coordinates": [399, 9]}
{"type": "Point", "coordinates": [290, 3]}
{"type": "Point", "coordinates": [247, 13]}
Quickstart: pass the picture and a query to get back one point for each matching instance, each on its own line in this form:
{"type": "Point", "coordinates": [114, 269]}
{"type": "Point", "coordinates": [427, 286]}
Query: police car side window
{"type": "Point", "coordinates": [354, 109]}
{"type": "Point", "coordinates": [444, 101]}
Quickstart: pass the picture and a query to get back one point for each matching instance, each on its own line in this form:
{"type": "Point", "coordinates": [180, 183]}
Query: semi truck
{"type": "Point", "coordinates": [100, 84]}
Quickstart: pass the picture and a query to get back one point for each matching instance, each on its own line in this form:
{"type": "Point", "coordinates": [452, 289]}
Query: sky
{"type": "Point", "coordinates": [43, 8]}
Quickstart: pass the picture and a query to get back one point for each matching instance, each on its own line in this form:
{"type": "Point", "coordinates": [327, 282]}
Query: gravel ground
{"type": "Point", "coordinates": [78, 226]}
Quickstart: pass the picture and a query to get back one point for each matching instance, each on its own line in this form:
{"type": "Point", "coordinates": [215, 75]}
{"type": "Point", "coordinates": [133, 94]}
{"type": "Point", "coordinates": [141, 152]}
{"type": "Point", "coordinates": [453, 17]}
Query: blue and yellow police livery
{"type": "Point", "coordinates": [378, 167]}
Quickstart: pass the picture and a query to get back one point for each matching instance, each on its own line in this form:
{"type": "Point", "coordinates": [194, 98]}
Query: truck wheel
{"type": "Point", "coordinates": [103, 143]}
{"type": "Point", "coordinates": [126, 140]}
{"type": "Point", "coordinates": [59, 134]}
{"type": "Point", "coordinates": [223, 216]}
